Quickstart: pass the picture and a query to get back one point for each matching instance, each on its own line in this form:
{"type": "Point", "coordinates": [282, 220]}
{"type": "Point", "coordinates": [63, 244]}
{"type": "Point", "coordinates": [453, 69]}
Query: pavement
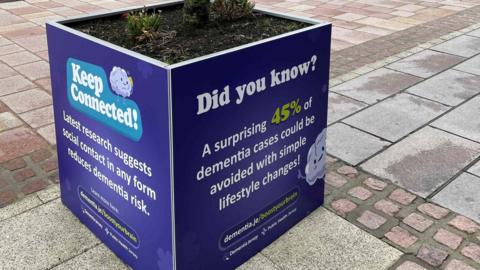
{"type": "Point", "coordinates": [404, 142]}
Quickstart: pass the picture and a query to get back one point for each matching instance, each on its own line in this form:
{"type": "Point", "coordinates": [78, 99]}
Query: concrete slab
{"type": "Point", "coordinates": [352, 145]}
{"type": "Point", "coordinates": [376, 85]}
{"type": "Point", "coordinates": [475, 33]}
{"type": "Point", "coordinates": [451, 87]}
{"type": "Point", "coordinates": [258, 262]}
{"type": "Point", "coordinates": [340, 107]}
{"type": "Point", "coordinates": [466, 46]}
{"type": "Point", "coordinates": [396, 117]}
{"type": "Point", "coordinates": [461, 120]}
{"type": "Point", "coordinates": [424, 161]}
{"type": "Point", "coordinates": [426, 63]}
{"type": "Point", "coordinates": [472, 65]}
{"type": "Point", "coordinates": [475, 169]}
{"type": "Point", "coordinates": [99, 257]}
{"type": "Point", "coordinates": [14, 209]}
{"type": "Point", "coordinates": [326, 241]}
{"type": "Point", "coordinates": [42, 238]}
{"type": "Point", "coordinates": [461, 196]}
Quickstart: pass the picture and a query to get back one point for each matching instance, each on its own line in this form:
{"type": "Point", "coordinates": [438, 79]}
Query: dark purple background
{"type": "Point", "coordinates": [151, 95]}
{"type": "Point", "coordinates": [199, 224]}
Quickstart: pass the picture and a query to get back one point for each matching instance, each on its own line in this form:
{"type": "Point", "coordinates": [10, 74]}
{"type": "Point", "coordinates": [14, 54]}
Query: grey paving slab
{"type": "Point", "coordinates": [426, 63]}
{"type": "Point", "coordinates": [475, 169]}
{"type": "Point", "coordinates": [451, 87]}
{"type": "Point", "coordinates": [258, 262]}
{"type": "Point", "coordinates": [475, 33]}
{"type": "Point", "coordinates": [472, 65]}
{"type": "Point", "coordinates": [326, 241]}
{"type": "Point", "coordinates": [461, 196]}
{"type": "Point", "coordinates": [424, 161]}
{"type": "Point", "coordinates": [98, 258]}
{"type": "Point", "coordinates": [376, 85]}
{"type": "Point", "coordinates": [397, 116]}
{"type": "Point", "coordinates": [463, 120]}
{"type": "Point", "coordinates": [352, 145]}
{"type": "Point", "coordinates": [466, 46]}
{"type": "Point", "coordinates": [340, 107]}
{"type": "Point", "coordinates": [23, 205]}
{"type": "Point", "coordinates": [42, 238]}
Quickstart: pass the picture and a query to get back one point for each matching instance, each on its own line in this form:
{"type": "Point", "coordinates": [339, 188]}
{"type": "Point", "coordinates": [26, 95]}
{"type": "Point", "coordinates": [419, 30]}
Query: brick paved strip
{"type": "Point", "coordinates": [374, 50]}
{"type": "Point", "coordinates": [430, 236]}
{"type": "Point", "coordinates": [18, 142]}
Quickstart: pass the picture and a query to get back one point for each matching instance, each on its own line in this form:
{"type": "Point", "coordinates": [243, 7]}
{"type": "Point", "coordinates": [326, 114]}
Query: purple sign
{"type": "Point", "coordinates": [196, 165]}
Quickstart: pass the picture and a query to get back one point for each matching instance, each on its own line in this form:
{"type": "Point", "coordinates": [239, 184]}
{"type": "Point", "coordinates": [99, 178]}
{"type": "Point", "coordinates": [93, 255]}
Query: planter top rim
{"type": "Point", "coordinates": [61, 24]}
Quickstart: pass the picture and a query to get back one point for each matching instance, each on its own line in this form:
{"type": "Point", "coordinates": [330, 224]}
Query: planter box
{"type": "Point", "coordinates": [195, 165]}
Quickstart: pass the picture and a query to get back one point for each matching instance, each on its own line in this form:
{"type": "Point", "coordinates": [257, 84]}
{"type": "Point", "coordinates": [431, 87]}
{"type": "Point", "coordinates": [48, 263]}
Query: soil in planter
{"type": "Point", "coordinates": [176, 42]}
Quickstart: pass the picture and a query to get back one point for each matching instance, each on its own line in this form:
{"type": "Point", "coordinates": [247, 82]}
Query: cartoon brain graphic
{"type": "Point", "coordinates": [122, 85]}
{"type": "Point", "coordinates": [315, 168]}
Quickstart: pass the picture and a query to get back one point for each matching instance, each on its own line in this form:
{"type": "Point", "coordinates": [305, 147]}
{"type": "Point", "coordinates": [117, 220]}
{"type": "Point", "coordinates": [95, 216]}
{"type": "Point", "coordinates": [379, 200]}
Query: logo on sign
{"type": "Point", "coordinates": [89, 92]}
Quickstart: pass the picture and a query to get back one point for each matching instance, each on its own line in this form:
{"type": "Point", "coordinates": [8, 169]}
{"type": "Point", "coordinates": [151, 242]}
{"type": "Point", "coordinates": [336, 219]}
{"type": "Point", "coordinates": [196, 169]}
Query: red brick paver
{"type": "Point", "coordinates": [432, 255]}
{"type": "Point", "coordinates": [7, 197]}
{"type": "Point", "coordinates": [371, 220]}
{"type": "Point", "coordinates": [408, 265]}
{"type": "Point", "coordinates": [432, 210]}
{"type": "Point", "coordinates": [402, 196]}
{"type": "Point", "coordinates": [335, 180]}
{"type": "Point", "coordinates": [343, 206]}
{"type": "Point", "coordinates": [472, 251]}
{"type": "Point", "coordinates": [458, 265]}
{"type": "Point", "coordinates": [418, 222]}
{"type": "Point", "coordinates": [447, 238]}
{"type": "Point", "coordinates": [34, 186]}
{"type": "Point", "coordinates": [375, 184]}
{"type": "Point", "coordinates": [18, 142]}
{"type": "Point", "coordinates": [464, 224]}
{"type": "Point", "coordinates": [360, 193]}
{"type": "Point", "coordinates": [401, 237]}
{"type": "Point", "coordinates": [387, 207]}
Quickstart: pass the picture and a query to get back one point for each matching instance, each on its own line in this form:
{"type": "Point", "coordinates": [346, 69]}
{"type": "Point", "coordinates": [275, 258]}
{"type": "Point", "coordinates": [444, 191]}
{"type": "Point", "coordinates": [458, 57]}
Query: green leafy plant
{"type": "Point", "coordinates": [141, 24]}
{"type": "Point", "coordinates": [231, 10]}
{"type": "Point", "coordinates": [144, 25]}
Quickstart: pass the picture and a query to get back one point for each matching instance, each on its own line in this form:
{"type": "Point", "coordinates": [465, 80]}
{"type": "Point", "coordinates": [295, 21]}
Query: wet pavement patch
{"type": "Point", "coordinates": [376, 85]}
{"type": "Point", "coordinates": [426, 63]}
{"type": "Point", "coordinates": [424, 161]}
{"type": "Point", "coordinates": [450, 87]}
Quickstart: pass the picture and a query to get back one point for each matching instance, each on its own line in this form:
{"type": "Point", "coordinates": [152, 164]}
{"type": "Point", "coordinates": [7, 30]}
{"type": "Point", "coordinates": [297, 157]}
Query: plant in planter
{"type": "Point", "coordinates": [197, 12]}
{"type": "Point", "coordinates": [193, 137]}
{"type": "Point", "coordinates": [141, 23]}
